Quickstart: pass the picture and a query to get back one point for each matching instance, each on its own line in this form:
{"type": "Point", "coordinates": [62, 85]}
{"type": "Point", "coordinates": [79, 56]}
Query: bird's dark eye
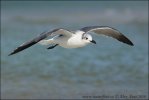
{"type": "Point", "coordinates": [86, 38]}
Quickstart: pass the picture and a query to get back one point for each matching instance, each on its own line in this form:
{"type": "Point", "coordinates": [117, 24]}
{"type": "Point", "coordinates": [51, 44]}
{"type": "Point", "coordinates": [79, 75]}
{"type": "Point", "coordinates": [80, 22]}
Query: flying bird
{"type": "Point", "coordinates": [68, 39]}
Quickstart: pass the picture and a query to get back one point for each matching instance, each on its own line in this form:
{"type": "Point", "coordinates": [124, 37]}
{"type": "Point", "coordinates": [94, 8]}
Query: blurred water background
{"type": "Point", "coordinates": [108, 68]}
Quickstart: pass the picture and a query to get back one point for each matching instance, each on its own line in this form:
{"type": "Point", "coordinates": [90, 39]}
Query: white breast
{"type": "Point", "coordinates": [73, 42]}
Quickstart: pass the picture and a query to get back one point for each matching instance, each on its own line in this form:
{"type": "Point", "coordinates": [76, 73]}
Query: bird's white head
{"type": "Point", "coordinates": [87, 38]}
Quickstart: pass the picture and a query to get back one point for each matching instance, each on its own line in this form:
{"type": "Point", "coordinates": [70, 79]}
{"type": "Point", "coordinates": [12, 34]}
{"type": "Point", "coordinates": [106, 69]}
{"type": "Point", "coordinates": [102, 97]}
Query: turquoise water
{"type": "Point", "coordinates": [107, 68]}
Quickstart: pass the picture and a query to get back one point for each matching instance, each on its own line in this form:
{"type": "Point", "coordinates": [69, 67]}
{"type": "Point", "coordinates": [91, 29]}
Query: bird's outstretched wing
{"type": "Point", "coordinates": [111, 32]}
{"type": "Point", "coordinates": [40, 37]}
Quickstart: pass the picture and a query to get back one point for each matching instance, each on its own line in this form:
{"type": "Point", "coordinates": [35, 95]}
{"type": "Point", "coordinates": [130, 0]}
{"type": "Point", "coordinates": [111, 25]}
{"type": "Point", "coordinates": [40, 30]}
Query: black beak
{"type": "Point", "coordinates": [93, 41]}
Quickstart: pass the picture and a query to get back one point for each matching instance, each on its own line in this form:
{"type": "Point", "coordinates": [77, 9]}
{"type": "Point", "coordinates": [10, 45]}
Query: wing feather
{"type": "Point", "coordinates": [39, 38]}
{"type": "Point", "coordinates": [108, 31]}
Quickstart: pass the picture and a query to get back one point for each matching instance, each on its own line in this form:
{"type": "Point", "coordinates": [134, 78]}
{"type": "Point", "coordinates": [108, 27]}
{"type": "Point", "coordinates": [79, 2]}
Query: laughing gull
{"type": "Point", "coordinates": [69, 39]}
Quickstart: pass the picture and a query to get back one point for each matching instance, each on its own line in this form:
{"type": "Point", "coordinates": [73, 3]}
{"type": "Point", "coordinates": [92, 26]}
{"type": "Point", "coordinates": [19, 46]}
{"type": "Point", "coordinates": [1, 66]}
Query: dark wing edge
{"type": "Point", "coordinates": [120, 37]}
{"type": "Point", "coordinates": [33, 41]}
{"type": "Point", "coordinates": [124, 39]}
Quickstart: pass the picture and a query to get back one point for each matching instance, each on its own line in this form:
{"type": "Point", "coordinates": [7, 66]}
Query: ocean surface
{"type": "Point", "coordinates": [109, 69]}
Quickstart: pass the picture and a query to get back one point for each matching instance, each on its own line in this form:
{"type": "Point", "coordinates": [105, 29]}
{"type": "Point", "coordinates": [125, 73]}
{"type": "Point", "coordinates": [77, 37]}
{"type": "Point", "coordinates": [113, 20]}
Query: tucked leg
{"type": "Point", "coordinates": [51, 47]}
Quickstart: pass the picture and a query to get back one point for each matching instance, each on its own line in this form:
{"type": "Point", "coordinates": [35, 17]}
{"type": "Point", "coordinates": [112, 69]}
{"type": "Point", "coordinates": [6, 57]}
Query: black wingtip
{"type": "Point", "coordinates": [124, 39]}
{"type": "Point", "coordinates": [11, 53]}
{"type": "Point", "coordinates": [128, 42]}
{"type": "Point", "coordinates": [131, 44]}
